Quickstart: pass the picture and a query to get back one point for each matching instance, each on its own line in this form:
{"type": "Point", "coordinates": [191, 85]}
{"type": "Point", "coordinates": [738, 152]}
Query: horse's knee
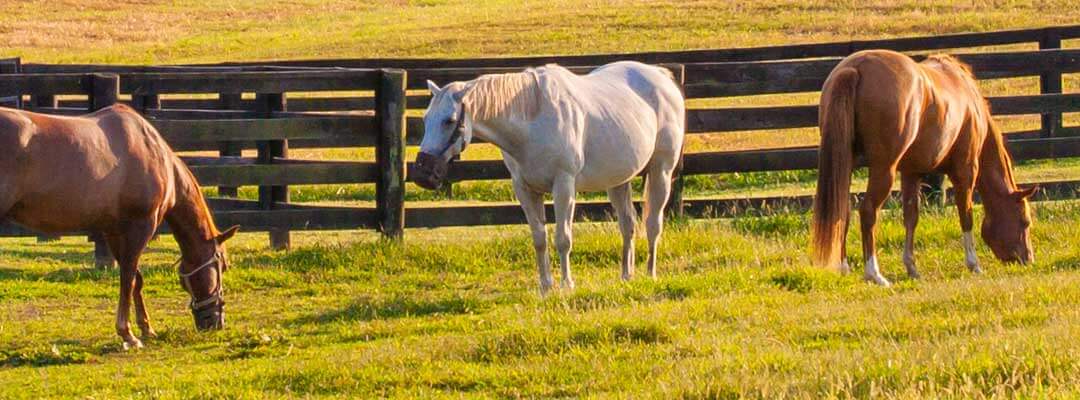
{"type": "Point", "coordinates": [563, 240]}
{"type": "Point", "coordinates": [539, 239]}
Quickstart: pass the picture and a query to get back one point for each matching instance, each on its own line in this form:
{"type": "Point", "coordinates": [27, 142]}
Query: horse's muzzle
{"type": "Point", "coordinates": [429, 171]}
{"type": "Point", "coordinates": [211, 317]}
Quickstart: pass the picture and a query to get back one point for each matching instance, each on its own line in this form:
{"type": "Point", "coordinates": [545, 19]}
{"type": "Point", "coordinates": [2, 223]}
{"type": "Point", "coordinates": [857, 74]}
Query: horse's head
{"type": "Point", "coordinates": [447, 131]}
{"type": "Point", "coordinates": [203, 282]}
{"type": "Point", "coordinates": [1006, 225]}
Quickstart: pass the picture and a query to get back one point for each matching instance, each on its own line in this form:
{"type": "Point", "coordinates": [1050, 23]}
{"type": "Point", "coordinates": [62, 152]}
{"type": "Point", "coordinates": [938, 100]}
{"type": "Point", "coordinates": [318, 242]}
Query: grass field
{"type": "Point", "coordinates": [455, 312]}
{"type": "Point", "coordinates": [736, 312]}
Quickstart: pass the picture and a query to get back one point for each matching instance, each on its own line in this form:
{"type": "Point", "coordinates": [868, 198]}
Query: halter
{"type": "Point", "coordinates": [215, 296]}
{"type": "Point", "coordinates": [459, 131]}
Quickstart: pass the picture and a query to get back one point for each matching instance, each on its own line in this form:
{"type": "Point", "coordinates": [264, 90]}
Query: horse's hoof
{"type": "Point", "coordinates": [545, 288]}
{"type": "Point", "coordinates": [914, 275]}
{"type": "Point", "coordinates": [568, 285]}
{"type": "Point", "coordinates": [844, 268]}
{"type": "Point", "coordinates": [149, 334]}
{"type": "Point", "coordinates": [975, 269]}
{"type": "Point", "coordinates": [132, 344]}
{"type": "Point", "coordinates": [879, 280]}
{"type": "Point", "coordinates": [626, 277]}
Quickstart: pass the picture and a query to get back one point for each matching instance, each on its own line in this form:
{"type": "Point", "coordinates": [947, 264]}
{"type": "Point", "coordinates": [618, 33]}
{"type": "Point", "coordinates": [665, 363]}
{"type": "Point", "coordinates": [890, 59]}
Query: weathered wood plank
{"type": "Point", "coordinates": [327, 172]}
{"type": "Point", "coordinates": [20, 84]}
{"type": "Point", "coordinates": [756, 118]}
{"type": "Point", "coordinates": [223, 130]}
{"type": "Point", "coordinates": [299, 219]}
{"type": "Point", "coordinates": [724, 79]}
{"type": "Point", "coordinates": [262, 82]}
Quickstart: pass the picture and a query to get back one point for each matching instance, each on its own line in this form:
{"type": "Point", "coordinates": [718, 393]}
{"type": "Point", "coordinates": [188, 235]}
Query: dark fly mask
{"type": "Point", "coordinates": [431, 169]}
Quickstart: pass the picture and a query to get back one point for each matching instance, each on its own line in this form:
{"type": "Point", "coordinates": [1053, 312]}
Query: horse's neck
{"type": "Point", "coordinates": [995, 180]}
{"type": "Point", "coordinates": [508, 135]}
{"type": "Point", "coordinates": [190, 220]}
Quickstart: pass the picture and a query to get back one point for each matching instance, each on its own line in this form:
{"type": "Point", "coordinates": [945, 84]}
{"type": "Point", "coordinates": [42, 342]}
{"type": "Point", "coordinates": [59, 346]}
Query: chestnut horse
{"type": "Point", "coordinates": [912, 118]}
{"type": "Point", "coordinates": [111, 172]}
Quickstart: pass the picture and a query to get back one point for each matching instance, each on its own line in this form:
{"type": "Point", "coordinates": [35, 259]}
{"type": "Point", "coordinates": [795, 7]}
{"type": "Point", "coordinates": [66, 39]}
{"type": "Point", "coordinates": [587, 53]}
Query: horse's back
{"type": "Point", "coordinates": [908, 113]}
{"type": "Point", "coordinates": [76, 172]}
{"type": "Point", "coordinates": [633, 113]}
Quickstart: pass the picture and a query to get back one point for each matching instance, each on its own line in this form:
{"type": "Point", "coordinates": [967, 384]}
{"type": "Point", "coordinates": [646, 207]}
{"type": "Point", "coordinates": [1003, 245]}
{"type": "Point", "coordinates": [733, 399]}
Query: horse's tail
{"type": "Point", "coordinates": [835, 164]}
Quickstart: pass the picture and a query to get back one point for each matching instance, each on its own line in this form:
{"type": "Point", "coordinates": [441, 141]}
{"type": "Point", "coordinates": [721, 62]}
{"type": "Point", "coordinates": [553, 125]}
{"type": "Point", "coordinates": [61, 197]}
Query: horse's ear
{"type": "Point", "coordinates": [228, 234]}
{"type": "Point", "coordinates": [1025, 193]}
{"type": "Point", "coordinates": [433, 88]}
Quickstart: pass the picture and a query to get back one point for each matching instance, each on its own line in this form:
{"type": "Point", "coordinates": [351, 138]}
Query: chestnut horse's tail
{"type": "Point", "coordinates": [835, 164]}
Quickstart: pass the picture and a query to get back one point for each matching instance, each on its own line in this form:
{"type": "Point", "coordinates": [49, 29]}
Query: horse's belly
{"type": "Point", "coordinates": [599, 175]}
{"type": "Point", "coordinates": [50, 214]}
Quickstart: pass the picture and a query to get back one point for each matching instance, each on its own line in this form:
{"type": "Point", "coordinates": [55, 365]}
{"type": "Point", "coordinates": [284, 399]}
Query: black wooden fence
{"type": "Point", "coordinates": [267, 127]}
{"type": "Point", "coordinates": [232, 122]}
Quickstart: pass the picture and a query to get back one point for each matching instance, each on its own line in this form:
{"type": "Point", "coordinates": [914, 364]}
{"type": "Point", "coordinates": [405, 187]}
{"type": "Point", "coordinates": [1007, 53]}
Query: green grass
{"type": "Point", "coordinates": [736, 312]}
{"type": "Point", "coordinates": [454, 312]}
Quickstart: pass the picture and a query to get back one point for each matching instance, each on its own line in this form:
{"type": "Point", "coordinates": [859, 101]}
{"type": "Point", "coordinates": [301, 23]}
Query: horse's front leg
{"type": "Point", "coordinates": [963, 185]}
{"type": "Point", "coordinates": [127, 247]}
{"type": "Point", "coordinates": [533, 205]}
{"type": "Point", "coordinates": [563, 193]}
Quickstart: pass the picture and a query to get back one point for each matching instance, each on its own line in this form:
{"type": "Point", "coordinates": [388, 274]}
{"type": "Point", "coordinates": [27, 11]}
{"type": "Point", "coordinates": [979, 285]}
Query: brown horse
{"type": "Point", "coordinates": [912, 118]}
{"type": "Point", "coordinates": [111, 172]}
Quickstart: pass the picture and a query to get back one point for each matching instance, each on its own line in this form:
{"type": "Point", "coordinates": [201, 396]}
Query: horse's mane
{"type": "Point", "coordinates": [997, 140]}
{"type": "Point", "coordinates": [948, 59]}
{"type": "Point", "coordinates": [513, 95]}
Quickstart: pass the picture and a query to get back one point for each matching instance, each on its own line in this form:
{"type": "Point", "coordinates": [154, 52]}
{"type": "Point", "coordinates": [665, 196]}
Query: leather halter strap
{"type": "Point", "coordinates": [459, 131]}
{"type": "Point", "coordinates": [185, 278]}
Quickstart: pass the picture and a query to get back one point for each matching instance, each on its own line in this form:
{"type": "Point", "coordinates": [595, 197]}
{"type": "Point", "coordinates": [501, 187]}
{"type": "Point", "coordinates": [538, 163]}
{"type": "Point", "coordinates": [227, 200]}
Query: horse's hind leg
{"type": "Point", "coordinates": [877, 191]}
{"type": "Point", "coordinates": [909, 191]}
{"type": "Point", "coordinates": [627, 216]}
{"type": "Point", "coordinates": [657, 191]}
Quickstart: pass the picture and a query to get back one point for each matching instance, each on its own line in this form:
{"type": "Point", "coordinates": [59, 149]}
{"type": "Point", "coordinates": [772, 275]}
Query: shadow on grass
{"type": "Point", "coordinates": [66, 275]}
{"type": "Point", "coordinates": [366, 309]}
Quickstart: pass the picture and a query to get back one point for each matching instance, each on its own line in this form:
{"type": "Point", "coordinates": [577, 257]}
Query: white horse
{"type": "Point", "coordinates": [562, 133]}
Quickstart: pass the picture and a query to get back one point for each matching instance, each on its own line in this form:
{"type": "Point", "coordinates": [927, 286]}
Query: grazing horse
{"type": "Point", "coordinates": [913, 118]}
{"type": "Point", "coordinates": [111, 172]}
{"type": "Point", "coordinates": [563, 133]}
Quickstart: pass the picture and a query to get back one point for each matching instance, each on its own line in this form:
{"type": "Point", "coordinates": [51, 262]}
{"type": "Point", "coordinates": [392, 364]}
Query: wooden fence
{"type": "Point", "coordinates": [232, 122]}
{"type": "Point", "coordinates": [268, 127]}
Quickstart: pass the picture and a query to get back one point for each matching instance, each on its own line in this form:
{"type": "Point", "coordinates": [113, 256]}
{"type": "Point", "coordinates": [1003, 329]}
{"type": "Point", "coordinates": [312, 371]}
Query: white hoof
{"type": "Point", "coordinates": [568, 284]}
{"type": "Point", "coordinates": [132, 344]}
{"type": "Point", "coordinates": [844, 267]}
{"type": "Point", "coordinates": [545, 287]}
{"type": "Point", "coordinates": [974, 268]}
{"type": "Point", "coordinates": [878, 279]}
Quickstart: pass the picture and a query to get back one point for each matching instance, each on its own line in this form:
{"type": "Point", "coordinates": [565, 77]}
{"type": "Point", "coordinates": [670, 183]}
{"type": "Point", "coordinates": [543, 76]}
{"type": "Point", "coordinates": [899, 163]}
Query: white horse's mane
{"type": "Point", "coordinates": [514, 95]}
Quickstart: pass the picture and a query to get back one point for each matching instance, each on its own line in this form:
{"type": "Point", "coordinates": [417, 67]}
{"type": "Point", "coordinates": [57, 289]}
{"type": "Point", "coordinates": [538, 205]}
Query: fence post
{"type": "Point", "coordinates": [145, 102]}
{"type": "Point", "coordinates": [674, 206]}
{"type": "Point", "coordinates": [1050, 83]}
{"type": "Point", "coordinates": [390, 152]}
{"type": "Point", "coordinates": [13, 66]}
{"type": "Point", "coordinates": [104, 91]}
{"type": "Point", "coordinates": [268, 151]}
{"type": "Point", "coordinates": [229, 101]}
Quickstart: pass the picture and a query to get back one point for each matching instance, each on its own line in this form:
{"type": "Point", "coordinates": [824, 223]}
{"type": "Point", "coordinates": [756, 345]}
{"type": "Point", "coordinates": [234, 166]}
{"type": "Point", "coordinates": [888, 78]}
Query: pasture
{"type": "Point", "coordinates": [454, 312]}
